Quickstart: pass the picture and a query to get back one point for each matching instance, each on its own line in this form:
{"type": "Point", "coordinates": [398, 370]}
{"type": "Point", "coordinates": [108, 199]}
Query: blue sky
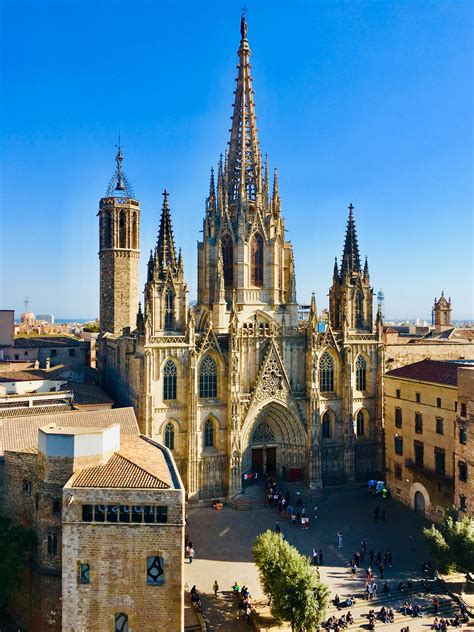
{"type": "Point", "coordinates": [368, 102]}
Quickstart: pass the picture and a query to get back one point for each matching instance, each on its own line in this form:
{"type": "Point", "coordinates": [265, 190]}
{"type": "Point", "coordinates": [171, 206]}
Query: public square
{"type": "Point", "coordinates": [223, 540]}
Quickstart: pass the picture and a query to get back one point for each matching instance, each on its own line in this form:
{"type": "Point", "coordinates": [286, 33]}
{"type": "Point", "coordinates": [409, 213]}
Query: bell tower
{"type": "Point", "coordinates": [119, 251]}
{"type": "Point", "coordinates": [442, 313]}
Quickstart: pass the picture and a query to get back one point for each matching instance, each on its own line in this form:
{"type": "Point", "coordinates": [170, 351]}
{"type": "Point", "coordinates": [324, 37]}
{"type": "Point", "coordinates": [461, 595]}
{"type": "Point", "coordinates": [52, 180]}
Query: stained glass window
{"type": "Point", "coordinates": [209, 434]}
{"type": "Point", "coordinates": [326, 373]}
{"type": "Point", "coordinates": [208, 378]}
{"type": "Point", "coordinates": [121, 622]}
{"type": "Point", "coordinates": [84, 574]}
{"type": "Point", "coordinates": [170, 373]}
{"type": "Point", "coordinates": [256, 260]}
{"type": "Point", "coordinates": [361, 373]}
{"type": "Point", "coordinates": [360, 423]}
{"type": "Point", "coordinates": [326, 425]}
{"type": "Point", "coordinates": [169, 436]}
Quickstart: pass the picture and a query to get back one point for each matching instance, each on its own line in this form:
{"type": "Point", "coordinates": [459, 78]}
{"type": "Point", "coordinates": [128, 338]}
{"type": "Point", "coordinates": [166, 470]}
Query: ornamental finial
{"type": "Point", "coordinates": [243, 23]}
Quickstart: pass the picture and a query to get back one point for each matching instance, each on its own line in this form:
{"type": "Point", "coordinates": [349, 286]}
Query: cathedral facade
{"type": "Point", "coordinates": [237, 383]}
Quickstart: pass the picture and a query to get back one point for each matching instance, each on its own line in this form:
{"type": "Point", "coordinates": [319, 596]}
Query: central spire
{"type": "Point", "coordinates": [244, 160]}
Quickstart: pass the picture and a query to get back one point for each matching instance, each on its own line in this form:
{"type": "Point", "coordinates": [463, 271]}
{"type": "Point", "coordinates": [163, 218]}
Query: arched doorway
{"type": "Point", "coordinates": [419, 503]}
{"type": "Point", "coordinates": [276, 443]}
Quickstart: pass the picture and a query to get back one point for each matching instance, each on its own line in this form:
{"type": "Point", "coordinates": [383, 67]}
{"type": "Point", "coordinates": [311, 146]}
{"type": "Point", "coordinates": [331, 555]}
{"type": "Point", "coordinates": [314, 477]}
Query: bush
{"type": "Point", "coordinates": [290, 583]}
{"type": "Point", "coordinates": [452, 543]}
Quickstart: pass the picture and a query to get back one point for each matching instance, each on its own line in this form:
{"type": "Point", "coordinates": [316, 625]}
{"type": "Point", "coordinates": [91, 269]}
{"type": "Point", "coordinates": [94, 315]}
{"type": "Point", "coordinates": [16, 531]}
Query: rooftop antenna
{"type": "Point", "coordinates": [27, 302]}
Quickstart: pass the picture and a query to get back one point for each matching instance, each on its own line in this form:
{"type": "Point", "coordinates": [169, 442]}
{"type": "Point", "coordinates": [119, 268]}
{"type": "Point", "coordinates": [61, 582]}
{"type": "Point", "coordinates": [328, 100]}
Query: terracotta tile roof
{"type": "Point", "coordinates": [32, 342]}
{"type": "Point", "coordinates": [89, 394]}
{"type": "Point", "coordinates": [430, 371]}
{"type": "Point", "coordinates": [35, 410]}
{"type": "Point", "coordinates": [22, 432]}
{"type": "Point", "coordinates": [25, 376]}
{"type": "Point", "coordinates": [138, 463]}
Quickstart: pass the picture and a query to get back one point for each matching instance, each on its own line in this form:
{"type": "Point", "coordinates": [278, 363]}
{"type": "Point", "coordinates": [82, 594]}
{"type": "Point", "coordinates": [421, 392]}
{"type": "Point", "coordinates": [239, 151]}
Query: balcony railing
{"type": "Point", "coordinates": [425, 470]}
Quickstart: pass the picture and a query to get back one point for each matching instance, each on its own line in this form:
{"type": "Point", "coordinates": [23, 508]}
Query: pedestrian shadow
{"type": "Point", "coordinates": [221, 612]}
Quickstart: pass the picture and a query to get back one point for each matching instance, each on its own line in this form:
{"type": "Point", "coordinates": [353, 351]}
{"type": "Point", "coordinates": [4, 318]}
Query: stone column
{"type": "Point", "coordinates": [193, 448]}
{"type": "Point", "coordinates": [347, 420]}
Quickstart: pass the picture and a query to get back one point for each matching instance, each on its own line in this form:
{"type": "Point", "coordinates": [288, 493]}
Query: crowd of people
{"type": "Point", "coordinates": [242, 599]}
{"type": "Point", "coordinates": [296, 513]}
{"type": "Point", "coordinates": [339, 623]}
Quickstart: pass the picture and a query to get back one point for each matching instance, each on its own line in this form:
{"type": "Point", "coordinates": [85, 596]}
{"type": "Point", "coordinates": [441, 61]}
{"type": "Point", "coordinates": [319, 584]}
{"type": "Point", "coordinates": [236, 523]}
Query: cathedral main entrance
{"type": "Point", "coordinates": [276, 442]}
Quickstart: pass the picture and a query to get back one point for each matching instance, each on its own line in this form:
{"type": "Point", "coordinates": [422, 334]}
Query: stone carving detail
{"type": "Point", "coordinates": [271, 380]}
{"type": "Point", "coordinates": [263, 434]}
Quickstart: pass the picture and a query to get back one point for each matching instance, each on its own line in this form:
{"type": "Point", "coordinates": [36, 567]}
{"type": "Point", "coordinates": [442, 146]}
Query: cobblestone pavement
{"type": "Point", "coordinates": [223, 542]}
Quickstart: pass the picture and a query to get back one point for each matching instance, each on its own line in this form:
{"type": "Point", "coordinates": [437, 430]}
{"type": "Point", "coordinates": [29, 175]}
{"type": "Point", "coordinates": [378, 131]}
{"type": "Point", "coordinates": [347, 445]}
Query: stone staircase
{"type": "Point", "coordinates": [255, 496]}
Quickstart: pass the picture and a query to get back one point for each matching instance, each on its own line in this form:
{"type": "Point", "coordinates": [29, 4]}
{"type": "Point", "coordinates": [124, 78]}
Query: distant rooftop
{"type": "Point", "coordinates": [24, 342]}
{"type": "Point", "coordinates": [437, 371]}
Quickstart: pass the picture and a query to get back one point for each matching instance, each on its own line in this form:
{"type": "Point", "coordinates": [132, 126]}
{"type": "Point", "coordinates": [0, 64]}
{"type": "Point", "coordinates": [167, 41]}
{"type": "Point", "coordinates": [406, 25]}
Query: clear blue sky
{"type": "Point", "coordinates": [368, 102]}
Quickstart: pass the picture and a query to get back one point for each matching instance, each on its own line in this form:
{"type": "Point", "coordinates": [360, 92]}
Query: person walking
{"type": "Point", "coordinates": [190, 553]}
{"type": "Point", "coordinates": [315, 556]}
{"type": "Point", "coordinates": [321, 559]}
{"type": "Point", "coordinates": [215, 588]}
{"type": "Point", "coordinates": [340, 542]}
{"type": "Point", "coordinates": [277, 527]}
{"type": "Point", "coordinates": [381, 570]}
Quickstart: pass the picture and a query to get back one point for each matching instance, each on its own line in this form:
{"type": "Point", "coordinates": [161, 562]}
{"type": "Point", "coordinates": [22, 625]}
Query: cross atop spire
{"type": "Point", "coordinates": [245, 179]}
{"type": "Point", "coordinates": [165, 249]}
{"type": "Point", "coordinates": [119, 186]}
{"type": "Point", "coordinates": [350, 255]}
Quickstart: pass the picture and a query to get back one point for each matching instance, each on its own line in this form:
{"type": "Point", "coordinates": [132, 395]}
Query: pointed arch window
{"type": "Point", "coordinates": [361, 373]}
{"type": "Point", "coordinates": [135, 231]}
{"type": "Point", "coordinates": [208, 378]}
{"type": "Point", "coordinates": [169, 310]}
{"type": "Point", "coordinates": [170, 374]}
{"type": "Point", "coordinates": [359, 310]}
{"type": "Point", "coordinates": [122, 230]}
{"type": "Point", "coordinates": [326, 425]}
{"type": "Point", "coordinates": [107, 230]}
{"type": "Point", "coordinates": [360, 422]}
{"type": "Point", "coordinates": [209, 434]}
{"type": "Point", "coordinates": [326, 373]}
{"type": "Point", "coordinates": [256, 260]}
{"type": "Point", "coordinates": [228, 260]}
{"type": "Point", "coordinates": [169, 436]}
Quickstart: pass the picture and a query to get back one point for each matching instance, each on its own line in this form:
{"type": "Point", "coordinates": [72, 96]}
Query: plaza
{"type": "Point", "coordinates": [223, 542]}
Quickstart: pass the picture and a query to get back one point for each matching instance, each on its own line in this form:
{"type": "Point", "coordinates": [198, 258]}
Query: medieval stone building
{"type": "Point", "coordinates": [236, 382]}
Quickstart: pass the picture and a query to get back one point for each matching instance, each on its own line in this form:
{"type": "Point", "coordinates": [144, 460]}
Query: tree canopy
{"type": "Point", "coordinates": [452, 542]}
{"type": "Point", "coordinates": [291, 584]}
{"type": "Point", "coordinates": [16, 547]}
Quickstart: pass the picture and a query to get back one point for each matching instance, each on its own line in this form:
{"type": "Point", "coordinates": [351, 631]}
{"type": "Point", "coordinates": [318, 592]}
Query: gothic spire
{"type": "Point", "coordinates": [276, 194]}
{"type": "Point", "coordinates": [119, 185]}
{"type": "Point", "coordinates": [350, 255]}
{"type": "Point", "coordinates": [335, 274]}
{"type": "Point", "coordinates": [211, 200]}
{"type": "Point", "coordinates": [165, 249]}
{"type": "Point", "coordinates": [244, 178]}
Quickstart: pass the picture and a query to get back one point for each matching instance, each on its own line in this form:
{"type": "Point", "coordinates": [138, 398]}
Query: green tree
{"type": "Point", "coordinates": [452, 542]}
{"type": "Point", "coordinates": [291, 584]}
{"type": "Point", "coordinates": [16, 547]}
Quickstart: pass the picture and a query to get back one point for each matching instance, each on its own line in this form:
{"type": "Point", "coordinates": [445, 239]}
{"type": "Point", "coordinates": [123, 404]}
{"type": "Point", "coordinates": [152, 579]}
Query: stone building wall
{"type": "Point", "coordinates": [117, 554]}
{"type": "Point", "coordinates": [437, 490]}
{"type": "Point", "coordinates": [401, 354]}
{"type": "Point", "coordinates": [464, 441]}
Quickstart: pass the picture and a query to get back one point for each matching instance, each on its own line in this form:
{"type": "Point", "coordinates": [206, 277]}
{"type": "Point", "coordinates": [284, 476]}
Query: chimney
{"type": "Point", "coordinates": [48, 363]}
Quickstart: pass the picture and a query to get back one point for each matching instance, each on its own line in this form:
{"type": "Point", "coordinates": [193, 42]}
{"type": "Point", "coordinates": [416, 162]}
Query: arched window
{"type": "Point", "coordinates": [135, 232]}
{"type": "Point", "coordinates": [208, 378]}
{"type": "Point", "coordinates": [326, 373]}
{"type": "Point", "coordinates": [326, 425]}
{"type": "Point", "coordinates": [228, 260]}
{"type": "Point", "coordinates": [122, 231]}
{"type": "Point", "coordinates": [361, 373]}
{"type": "Point", "coordinates": [169, 436]}
{"type": "Point", "coordinates": [169, 380]}
{"type": "Point", "coordinates": [169, 310]}
{"type": "Point", "coordinates": [256, 260]}
{"type": "Point", "coordinates": [360, 423]}
{"type": "Point", "coordinates": [209, 434]}
{"type": "Point", "coordinates": [108, 231]}
{"type": "Point", "coordinates": [359, 310]}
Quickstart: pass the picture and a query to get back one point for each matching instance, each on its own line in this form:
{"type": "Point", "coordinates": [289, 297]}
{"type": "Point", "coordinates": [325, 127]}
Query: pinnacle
{"type": "Point", "coordinates": [350, 255]}
{"type": "Point", "coordinates": [165, 248]}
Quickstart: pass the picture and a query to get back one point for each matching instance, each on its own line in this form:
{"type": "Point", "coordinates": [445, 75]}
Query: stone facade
{"type": "Point", "coordinates": [48, 473]}
{"type": "Point", "coordinates": [464, 442]}
{"type": "Point", "coordinates": [237, 383]}
{"type": "Point", "coordinates": [422, 444]}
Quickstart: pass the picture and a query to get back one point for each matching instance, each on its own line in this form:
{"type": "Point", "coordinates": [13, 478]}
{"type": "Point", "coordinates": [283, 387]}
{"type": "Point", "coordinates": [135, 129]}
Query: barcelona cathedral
{"type": "Point", "coordinates": [237, 382]}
